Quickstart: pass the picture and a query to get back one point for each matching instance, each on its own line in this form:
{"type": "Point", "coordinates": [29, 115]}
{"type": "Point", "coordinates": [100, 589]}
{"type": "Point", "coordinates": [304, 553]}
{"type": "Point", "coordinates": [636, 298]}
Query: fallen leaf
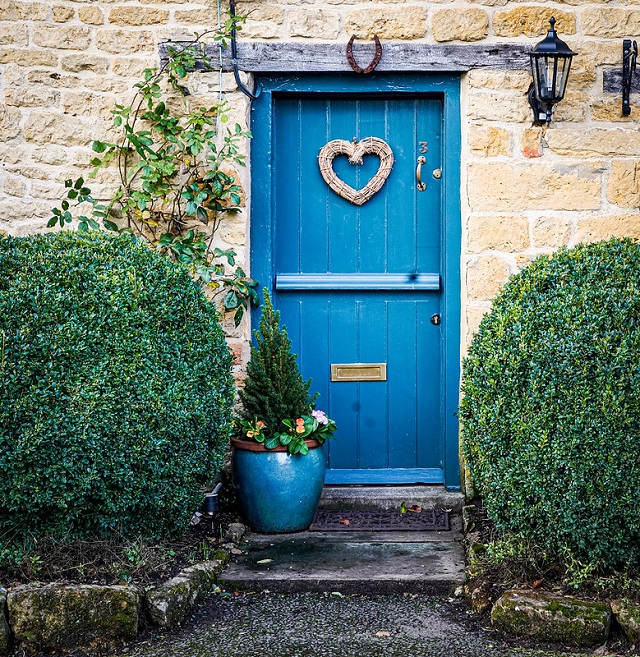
{"type": "Point", "coordinates": [403, 507]}
{"type": "Point", "coordinates": [537, 583]}
{"type": "Point", "coordinates": [337, 594]}
{"type": "Point", "coordinates": [414, 508]}
{"type": "Point", "coordinates": [344, 521]}
{"type": "Point", "coordinates": [236, 551]}
{"type": "Point", "coordinates": [383, 633]}
{"type": "Point", "coordinates": [265, 561]}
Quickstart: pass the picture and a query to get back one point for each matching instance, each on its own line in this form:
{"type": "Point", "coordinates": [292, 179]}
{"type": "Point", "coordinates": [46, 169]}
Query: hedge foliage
{"type": "Point", "coordinates": [551, 407]}
{"type": "Point", "coordinates": [116, 393]}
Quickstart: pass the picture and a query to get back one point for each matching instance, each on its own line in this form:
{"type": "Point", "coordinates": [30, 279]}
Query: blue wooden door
{"type": "Point", "coordinates": [361, 287]}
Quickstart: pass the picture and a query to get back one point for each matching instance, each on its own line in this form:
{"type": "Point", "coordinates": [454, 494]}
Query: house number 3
{"type": "Point", "coordinates": [423, 147]}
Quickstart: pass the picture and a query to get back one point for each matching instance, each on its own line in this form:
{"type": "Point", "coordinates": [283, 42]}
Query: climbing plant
{"type": "Point", "coordinates": [176, 172]}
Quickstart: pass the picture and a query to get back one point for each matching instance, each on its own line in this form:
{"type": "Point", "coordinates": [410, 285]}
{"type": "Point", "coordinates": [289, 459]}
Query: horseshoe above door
{"type": "Point", "coordinates": [374, 62]}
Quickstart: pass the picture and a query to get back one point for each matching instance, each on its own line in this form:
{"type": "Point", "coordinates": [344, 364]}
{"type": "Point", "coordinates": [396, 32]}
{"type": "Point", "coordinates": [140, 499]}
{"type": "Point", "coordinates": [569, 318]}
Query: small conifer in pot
{"type": "Point", "coordinates": [277, 409]}
{"type": "Point", "coordinates": [278, 462]}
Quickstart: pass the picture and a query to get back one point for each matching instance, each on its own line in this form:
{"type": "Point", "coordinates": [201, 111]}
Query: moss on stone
{"type": "Point", "coordinates": [551, 618]}
{"type": "Point", "coordinates": [628, 616]}
{"type": "Point", "coordinates": [172, 602]}
{"type": "Point", "coordinates": [220, 555]}
{"type": "Point", "coordinates": [5, 636]}
{"type": "Point", "coordinates": [62, 617]}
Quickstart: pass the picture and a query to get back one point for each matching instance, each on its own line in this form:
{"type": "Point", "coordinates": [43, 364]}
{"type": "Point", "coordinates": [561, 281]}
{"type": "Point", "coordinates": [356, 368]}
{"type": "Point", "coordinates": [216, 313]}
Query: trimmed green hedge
{"type": "Point", "coordinates": [116, 393]}
{"type": "Point", "coordinates": [551, 407]}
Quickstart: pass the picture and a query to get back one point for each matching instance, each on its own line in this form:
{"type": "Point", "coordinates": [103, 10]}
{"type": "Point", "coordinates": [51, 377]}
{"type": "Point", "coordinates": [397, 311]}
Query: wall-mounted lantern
{"type": "Point", "coordinates": [550, 64]}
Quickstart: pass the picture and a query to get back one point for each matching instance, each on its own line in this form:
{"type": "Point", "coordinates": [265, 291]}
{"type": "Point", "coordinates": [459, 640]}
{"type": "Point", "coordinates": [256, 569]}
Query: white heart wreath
{"type": "Point", "coordinates": [355, 152]}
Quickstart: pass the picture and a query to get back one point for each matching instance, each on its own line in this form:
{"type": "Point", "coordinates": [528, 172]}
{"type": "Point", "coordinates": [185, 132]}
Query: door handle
{"type": "Point", "coordinates": [421, 186]}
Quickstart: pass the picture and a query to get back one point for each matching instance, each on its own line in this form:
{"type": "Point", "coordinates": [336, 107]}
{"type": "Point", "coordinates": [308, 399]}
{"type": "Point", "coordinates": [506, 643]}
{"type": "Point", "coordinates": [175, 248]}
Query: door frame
{"type": "Point", "coordinates": [262, 217]}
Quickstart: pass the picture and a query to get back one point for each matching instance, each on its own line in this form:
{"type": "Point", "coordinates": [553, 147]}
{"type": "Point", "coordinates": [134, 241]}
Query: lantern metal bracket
{"type": "Point", "coordinates": [629, 57]}
{"type": "Point", "coordinates": [541, 111]}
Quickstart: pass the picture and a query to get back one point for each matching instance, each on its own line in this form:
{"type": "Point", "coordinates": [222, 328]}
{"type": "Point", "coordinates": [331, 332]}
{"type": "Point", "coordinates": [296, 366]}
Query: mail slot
{"type": "Point", "coordinates": [359, 372]}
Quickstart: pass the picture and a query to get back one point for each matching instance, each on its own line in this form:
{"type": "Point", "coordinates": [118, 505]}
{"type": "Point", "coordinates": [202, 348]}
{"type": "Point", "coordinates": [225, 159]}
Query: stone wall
{"type": "Point", "coordinates": [526, 190]}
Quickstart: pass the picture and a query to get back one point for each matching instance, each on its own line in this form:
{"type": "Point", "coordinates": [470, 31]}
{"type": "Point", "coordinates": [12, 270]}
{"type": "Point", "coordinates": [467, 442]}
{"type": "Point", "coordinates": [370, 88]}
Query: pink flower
{"type": "Point", "coordinates": [320, 417]}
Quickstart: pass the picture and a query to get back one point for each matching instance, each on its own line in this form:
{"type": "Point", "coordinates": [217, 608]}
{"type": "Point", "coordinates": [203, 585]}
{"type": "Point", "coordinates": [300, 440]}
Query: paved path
{"type": "Point", "coordinates": [325, 625]}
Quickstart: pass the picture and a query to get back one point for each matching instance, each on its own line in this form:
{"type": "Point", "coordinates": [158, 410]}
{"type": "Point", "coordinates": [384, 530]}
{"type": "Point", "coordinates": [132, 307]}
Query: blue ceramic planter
{"type": "Point", "coordinates": [278, 492]}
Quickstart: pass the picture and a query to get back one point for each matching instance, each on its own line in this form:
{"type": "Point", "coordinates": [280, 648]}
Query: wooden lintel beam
{"type": "Point", "coordinates": [260, 57]}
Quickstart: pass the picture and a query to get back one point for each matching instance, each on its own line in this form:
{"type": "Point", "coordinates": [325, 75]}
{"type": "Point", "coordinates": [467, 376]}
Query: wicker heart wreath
{"type": "Point", "coordinates": [355, 152]}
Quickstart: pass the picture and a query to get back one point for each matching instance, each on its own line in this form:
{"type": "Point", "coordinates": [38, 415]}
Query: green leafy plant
{"type": "Point", "coordinates": [176, 167]}
{"type": "Point", "coordinates": [512, 561]}
{"type": "Point", "coordinates": [276, 407]}
{"type": "Point", "coordinates": [551, 406]}
{"type": "Point", "coordinates": [293, 431]}
{"type": "Point", "coordinates": [115, 390]}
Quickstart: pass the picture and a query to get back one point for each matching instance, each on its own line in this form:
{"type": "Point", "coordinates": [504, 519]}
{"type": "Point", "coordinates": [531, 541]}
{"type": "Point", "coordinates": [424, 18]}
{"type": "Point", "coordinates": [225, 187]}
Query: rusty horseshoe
{"type": "Point", "coordinates": [374, 62]}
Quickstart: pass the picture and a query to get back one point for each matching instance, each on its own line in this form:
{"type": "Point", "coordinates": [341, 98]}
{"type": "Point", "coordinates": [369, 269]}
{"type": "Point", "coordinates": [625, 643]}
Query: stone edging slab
{"type": "Point", "coordinates": [552, 618]}
{"type": "Point", "coordinates": [68, 617]}
{"type": "Point", "coordinates": [545, 616]}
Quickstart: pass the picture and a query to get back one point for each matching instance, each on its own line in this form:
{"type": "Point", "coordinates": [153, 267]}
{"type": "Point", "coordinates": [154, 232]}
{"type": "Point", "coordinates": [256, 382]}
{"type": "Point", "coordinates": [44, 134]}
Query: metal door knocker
{"type": "Point", "coordinates": [374, 62]}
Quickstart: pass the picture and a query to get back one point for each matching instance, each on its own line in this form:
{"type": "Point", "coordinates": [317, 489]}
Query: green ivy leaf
{"type": "Point", "coordinates": [231, 300]}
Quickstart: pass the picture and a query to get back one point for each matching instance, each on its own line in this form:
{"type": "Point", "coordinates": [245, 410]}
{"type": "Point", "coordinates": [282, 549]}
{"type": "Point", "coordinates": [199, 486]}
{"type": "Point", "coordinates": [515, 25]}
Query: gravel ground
{"type": "Point", "coordinates": [319, 625]}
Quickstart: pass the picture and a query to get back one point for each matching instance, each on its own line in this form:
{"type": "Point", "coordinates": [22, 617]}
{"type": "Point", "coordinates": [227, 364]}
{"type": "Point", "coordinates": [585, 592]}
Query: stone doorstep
{"type": "Point", "coordinates": [331, 562]}
{"type": "Point", "coordinates": [390, 497]}
{"type": "Point", "coordinates": [357, 562]}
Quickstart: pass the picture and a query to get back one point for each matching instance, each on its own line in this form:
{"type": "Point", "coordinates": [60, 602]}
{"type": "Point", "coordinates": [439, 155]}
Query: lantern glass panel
{"type": "Point", "coordinates": [564, 64]}
{"type": "Point", "coordinates": [550, 75]}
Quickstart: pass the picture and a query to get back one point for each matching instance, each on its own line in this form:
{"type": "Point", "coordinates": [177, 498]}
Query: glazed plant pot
{"type": "Point", "coordinates": [278, 492]}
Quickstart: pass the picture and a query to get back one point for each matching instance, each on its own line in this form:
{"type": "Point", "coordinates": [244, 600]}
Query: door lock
{"type": "Point", "coordinates": [437, 174]}
{"type": "Point", "coordinates": [435, 319]}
